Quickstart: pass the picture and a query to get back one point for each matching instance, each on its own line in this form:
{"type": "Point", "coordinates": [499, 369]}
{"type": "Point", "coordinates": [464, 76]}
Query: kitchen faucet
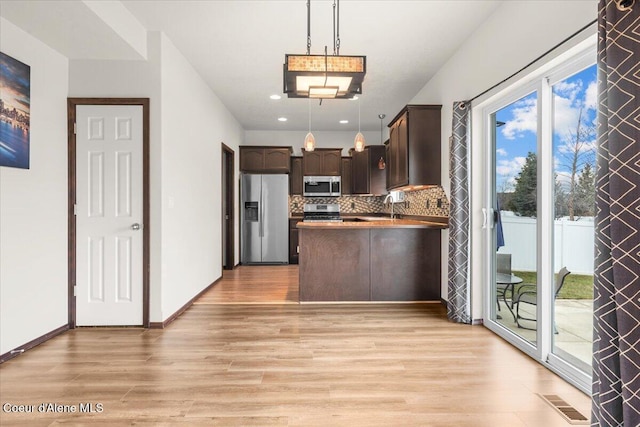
{"type": "Point", "coordinates": [387, 199]}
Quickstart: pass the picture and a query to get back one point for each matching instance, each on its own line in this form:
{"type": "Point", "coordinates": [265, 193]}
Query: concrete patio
{"type": "Point", "coordinates": [574, 322]}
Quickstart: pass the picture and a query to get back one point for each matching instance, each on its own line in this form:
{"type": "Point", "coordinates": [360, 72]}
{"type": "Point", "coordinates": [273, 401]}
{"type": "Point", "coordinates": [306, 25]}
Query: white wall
{"type": "Point", "coordinates": [324, 139]}
{"type": "Point", "coordinates": [133, 79]}
{"type": "Point", "coordinates": [194, 123]}
{"type": "Point", "coordinates": [188, 125]}
{"type": "Point", "coordinates": [33, 203]}
{"type": "Point", "coordinates": [517, 33]}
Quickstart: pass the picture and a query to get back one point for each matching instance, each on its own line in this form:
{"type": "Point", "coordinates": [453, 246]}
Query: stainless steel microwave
{"type": "Point", "coordinates": [321, 186]}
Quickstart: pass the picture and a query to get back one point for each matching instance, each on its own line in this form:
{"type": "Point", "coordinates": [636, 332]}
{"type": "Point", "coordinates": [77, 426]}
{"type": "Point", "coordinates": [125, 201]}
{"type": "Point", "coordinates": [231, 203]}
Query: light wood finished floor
{"type": "Point", "coordinates": [276, 284]}
{"type": "Point", "coordinates": [287, 365]}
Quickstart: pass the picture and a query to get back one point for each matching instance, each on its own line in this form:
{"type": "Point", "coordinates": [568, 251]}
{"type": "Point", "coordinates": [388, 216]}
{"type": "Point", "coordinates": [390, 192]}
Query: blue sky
{"type": "Point", "coordinates": [571, 97]}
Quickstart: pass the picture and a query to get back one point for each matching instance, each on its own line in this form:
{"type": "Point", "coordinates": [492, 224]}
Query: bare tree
{"type": "Point", "coordinates": [578, 153]}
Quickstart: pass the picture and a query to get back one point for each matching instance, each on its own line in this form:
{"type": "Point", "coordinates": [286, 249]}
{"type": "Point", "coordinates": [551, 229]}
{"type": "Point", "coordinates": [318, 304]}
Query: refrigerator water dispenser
{"type": "Point", "coordinates": [251, 211]}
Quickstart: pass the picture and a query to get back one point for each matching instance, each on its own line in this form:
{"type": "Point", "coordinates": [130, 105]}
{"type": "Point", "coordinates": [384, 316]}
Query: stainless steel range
{"type": "Point", "coordinates": [322, 212]}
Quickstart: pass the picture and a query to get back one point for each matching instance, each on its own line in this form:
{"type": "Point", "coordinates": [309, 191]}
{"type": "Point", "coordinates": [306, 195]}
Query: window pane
{"type": "Point", "coordinates": [574, 149]}
{"type": "Point", "coordinates": [516, 149]}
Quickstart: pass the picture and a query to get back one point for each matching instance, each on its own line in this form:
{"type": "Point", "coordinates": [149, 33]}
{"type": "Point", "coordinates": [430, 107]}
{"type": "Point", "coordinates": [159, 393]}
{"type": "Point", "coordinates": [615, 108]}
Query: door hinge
{"type": "Point", "coordinates": [75, 209]}
{"type": "Point", "coordinates": [75, 128]}
{"type": "Point", "coordinates": [75, 288]}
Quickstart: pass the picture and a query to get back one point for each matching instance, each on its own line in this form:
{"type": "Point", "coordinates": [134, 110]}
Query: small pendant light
{"type": "Point", "coordinates": [359, 141]}
{"type": "Point", "coordinates": [381, 163]}
{"type": "Point", "coordinates": [309, 140]}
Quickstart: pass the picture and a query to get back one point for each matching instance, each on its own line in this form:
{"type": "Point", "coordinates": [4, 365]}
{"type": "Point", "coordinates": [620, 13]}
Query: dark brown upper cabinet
{"type": "Point", "coordinates": [256, 159]}
{"type": "Point", "coordinates": [295, 177]}
{"type": "Point", "coordinates": [369, 170]}
{"type": "Point", "coordinates": [322, 161]}
{"type": "Point", "coordinates": [346, 177]}
{"type": "Point", "coordinates": [414, 147]}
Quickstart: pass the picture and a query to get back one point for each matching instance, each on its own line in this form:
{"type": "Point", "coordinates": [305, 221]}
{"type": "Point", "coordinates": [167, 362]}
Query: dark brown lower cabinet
{"type": "Point", "coordinates": [334, 265]}
{"type": "Point", "coordinates": [405, 264]}
{"type": "Point", "coordinates": [370, 264]}
{"type": "Point", "coordinates": [293, 241]}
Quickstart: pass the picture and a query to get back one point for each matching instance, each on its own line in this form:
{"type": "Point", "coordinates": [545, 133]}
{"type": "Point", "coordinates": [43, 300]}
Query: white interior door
{"type": "Point", "coordinates": [109, 238]}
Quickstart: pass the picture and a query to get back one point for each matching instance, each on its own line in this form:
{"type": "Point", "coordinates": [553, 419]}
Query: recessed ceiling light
{"type": "Point", "coordinates": [344, 121]}
{"type": "Point", "coordinates": [282, 119]}
{"type": "Point", "coordinates": [275, 97]}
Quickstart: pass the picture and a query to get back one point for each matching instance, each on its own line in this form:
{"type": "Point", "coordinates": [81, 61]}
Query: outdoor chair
{"type": "Point", "coordinates": [527, 294]}
{"type": "Point", "coordinates": [503, 265]}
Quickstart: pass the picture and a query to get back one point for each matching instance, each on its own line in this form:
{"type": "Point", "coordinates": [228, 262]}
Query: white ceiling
{"type": "Point", "coordinates": [238, 48]}
{"type": "Point", "coordinates": [70, 27]}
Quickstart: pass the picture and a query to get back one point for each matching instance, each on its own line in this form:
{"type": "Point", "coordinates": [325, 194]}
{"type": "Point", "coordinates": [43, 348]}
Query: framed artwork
{"type": "Point", "coordinates": [15, 94]}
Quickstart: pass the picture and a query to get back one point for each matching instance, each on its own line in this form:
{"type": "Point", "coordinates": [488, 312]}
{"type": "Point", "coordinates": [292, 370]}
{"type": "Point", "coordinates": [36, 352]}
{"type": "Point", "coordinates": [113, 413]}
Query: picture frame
{"type": "Point", "coordinates": [15, 108]}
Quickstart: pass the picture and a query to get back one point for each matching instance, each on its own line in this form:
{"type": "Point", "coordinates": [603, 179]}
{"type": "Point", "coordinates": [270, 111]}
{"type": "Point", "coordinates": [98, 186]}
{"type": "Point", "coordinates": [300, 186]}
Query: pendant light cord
{"type": "Point", "coordinates": [308, 27]}
{"type": "Point", "coordinates": [309, 115]}
{"type": "Point", "coordinates": [358, 115]}
{"type": "Point", "coordinates": [338, 31]}
{"type": "Point", "coordinates": [336, 27]}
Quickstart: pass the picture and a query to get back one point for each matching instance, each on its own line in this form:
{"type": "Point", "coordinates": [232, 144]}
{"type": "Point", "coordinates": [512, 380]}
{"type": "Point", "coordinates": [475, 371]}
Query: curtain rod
{"type": "Point", "coordinates": [535, 60]}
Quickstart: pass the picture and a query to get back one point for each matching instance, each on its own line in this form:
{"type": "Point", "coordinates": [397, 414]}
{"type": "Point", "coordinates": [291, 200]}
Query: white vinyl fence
{"type": "Point", "coordinates": [573, 243]}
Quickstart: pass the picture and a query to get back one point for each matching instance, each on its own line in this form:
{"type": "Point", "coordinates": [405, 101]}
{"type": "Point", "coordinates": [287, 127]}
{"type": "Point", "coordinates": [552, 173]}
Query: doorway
{"type": "Point", "coordinates": [516, 218]}
{"type": "Point", "coordinates": [541, 191]}
{"type": "Point", "coordinates": [228, 211]}
{"type": "Point", "coordinates": [108, 211]}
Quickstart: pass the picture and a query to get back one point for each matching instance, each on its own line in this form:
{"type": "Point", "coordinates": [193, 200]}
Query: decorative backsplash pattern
{"type": "Point", "coordinates": [418, 203]}
{"type": "Point", "coordinates": [422, 203]}
{"type": "Point", "coordinates": [348, 204]}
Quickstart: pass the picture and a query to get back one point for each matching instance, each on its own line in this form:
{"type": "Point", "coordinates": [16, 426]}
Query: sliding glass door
{"type": "Point", "coordinates": [574, 135]}
{"type": "Point", "coordinates": [540, 229]}
{"type": "Point", "coordinates": [515, 153]}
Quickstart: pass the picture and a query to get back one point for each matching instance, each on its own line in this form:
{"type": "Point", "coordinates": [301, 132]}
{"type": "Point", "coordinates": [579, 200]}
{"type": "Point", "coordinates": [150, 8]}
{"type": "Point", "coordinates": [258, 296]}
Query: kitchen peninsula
{"type": "Point", "coordinates": [370, 259]}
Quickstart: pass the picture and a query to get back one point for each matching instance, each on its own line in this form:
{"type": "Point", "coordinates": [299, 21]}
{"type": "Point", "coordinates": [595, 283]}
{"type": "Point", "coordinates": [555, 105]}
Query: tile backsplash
{"type": "Point", "coordinates": [418, 203]}
{"type": "Point", "coordinates": [422, 203]}
{"type": "Point", "coordinates": [348, 204]}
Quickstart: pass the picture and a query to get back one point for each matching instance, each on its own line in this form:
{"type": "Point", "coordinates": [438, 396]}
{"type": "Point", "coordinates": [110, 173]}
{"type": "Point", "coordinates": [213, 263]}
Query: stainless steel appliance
{"type": "Point", "coordinates": [322, 212]}
{"type": "Point", "coordinates": [321, 186]}
{"type": "Point", "coordinates": [265, 219]}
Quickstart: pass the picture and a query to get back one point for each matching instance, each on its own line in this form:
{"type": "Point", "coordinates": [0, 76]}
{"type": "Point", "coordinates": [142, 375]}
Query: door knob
{"type": "Point", "coordinates": [135, 226]}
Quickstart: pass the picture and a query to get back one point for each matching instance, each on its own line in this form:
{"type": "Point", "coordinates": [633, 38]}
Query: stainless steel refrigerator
{"type": "Point", "coordinates": [265, 219]}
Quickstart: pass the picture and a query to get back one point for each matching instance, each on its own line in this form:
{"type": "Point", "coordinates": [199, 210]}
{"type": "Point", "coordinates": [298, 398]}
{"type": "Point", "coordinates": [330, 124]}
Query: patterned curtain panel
{"type": "Point", "coordinates": [459, 292]}
{"type": "Point", "coordinates": [616, 346]}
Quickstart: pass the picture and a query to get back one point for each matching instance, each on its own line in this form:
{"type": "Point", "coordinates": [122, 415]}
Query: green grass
{"type": "Point", "coordinates": [577, 286]}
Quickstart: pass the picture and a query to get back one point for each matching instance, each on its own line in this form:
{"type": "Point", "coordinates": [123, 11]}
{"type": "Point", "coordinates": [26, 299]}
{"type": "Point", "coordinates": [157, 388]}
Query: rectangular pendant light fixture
{"type": "Point", "coordinates": [323, 76]}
